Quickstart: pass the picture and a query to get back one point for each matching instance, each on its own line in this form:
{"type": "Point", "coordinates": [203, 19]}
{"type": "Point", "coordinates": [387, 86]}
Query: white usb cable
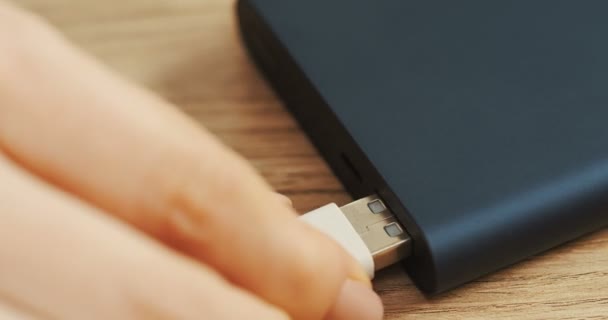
{"type": "Point", "coordinates": [366, 229]}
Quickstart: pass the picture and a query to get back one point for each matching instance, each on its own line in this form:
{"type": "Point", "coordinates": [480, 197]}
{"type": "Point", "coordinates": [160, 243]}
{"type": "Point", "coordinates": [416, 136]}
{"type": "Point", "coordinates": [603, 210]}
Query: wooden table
{"type": "Point", "coordinates": [189, 52]}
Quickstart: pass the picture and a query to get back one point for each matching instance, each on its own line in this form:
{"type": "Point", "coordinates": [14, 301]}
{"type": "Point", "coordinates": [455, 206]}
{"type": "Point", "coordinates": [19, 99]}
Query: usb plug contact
{"type": "Point", "coordinates": [367, 229]}
{"type": "Point", "coordinates": [381, 232]}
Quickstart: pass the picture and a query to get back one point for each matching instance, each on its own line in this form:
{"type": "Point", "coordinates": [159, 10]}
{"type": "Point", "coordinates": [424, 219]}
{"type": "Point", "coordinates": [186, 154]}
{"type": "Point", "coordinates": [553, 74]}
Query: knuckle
{"type": "Point", "coordinates": [191, 198]}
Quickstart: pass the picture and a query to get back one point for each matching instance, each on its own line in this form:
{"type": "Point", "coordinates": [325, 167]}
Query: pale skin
{"type": "Point", "coordinates": [114, 205]}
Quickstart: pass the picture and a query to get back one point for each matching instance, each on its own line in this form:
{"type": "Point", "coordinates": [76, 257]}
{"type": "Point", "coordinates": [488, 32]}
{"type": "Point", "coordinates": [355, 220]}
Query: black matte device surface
{"type": "Point", "coordinates": [483, 124]}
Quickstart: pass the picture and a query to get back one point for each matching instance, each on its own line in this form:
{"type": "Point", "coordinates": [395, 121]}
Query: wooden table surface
{"type": "Point", "coordinates": [189, 52]}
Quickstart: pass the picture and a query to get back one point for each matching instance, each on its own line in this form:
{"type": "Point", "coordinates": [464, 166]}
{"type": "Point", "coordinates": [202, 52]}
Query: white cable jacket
{"type": "Point", "coordinates": [331, 221]}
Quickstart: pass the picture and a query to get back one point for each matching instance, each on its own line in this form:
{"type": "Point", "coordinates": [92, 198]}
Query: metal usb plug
{"type": "Point", "coordinates": [366, 229]}
{"type": "Point", "coordinates": [381, 232]}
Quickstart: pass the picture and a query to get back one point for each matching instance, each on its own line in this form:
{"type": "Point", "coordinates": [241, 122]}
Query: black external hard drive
{"type": "Point", "coordinates": [482, 124]}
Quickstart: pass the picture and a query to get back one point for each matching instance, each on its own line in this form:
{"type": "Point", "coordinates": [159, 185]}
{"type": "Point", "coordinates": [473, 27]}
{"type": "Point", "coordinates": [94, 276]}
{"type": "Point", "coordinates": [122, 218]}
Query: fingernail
{"type": "Point", "coordinates": [357, 302]}
{"type": "Point", "coordinates": [359, 275]}
{"type": "Point", "coordinates": [284, 199]}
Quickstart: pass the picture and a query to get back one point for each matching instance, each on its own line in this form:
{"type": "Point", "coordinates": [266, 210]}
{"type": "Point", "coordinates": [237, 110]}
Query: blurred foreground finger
{"type": "Point", "coordinates": [62, 259]}
{"type": "Point", "coordinates": [11, 312]}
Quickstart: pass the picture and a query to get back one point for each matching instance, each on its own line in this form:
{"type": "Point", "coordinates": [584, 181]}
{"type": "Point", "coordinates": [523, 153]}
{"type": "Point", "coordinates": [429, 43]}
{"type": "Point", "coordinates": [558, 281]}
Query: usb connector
{"type": "Point", "coordinates": [381, 232]}
{"type": "Point", "coordinates": [367, 229]}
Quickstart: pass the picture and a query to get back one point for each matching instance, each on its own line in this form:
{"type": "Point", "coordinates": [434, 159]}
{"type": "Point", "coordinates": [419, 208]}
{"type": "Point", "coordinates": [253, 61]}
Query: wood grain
{"type": "Point", "coordinates": [188, 51]}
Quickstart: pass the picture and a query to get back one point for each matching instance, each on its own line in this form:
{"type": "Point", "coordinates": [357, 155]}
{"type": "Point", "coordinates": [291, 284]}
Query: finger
{"type": "Point", "coordinates": [62, 259]}
{"type": "Point", "coordinates": [132, 154]}
{"type": "Point", "coordinates": [9, 312]}
{"type": "Point", "coordinates": [285, 200]}
{"type": "Point", "coordinates": [352, 294]}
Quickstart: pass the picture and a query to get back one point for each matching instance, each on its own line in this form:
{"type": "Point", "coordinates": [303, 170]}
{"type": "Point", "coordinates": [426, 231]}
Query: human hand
{"type": "Point", "coordinates": [116, 206]}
